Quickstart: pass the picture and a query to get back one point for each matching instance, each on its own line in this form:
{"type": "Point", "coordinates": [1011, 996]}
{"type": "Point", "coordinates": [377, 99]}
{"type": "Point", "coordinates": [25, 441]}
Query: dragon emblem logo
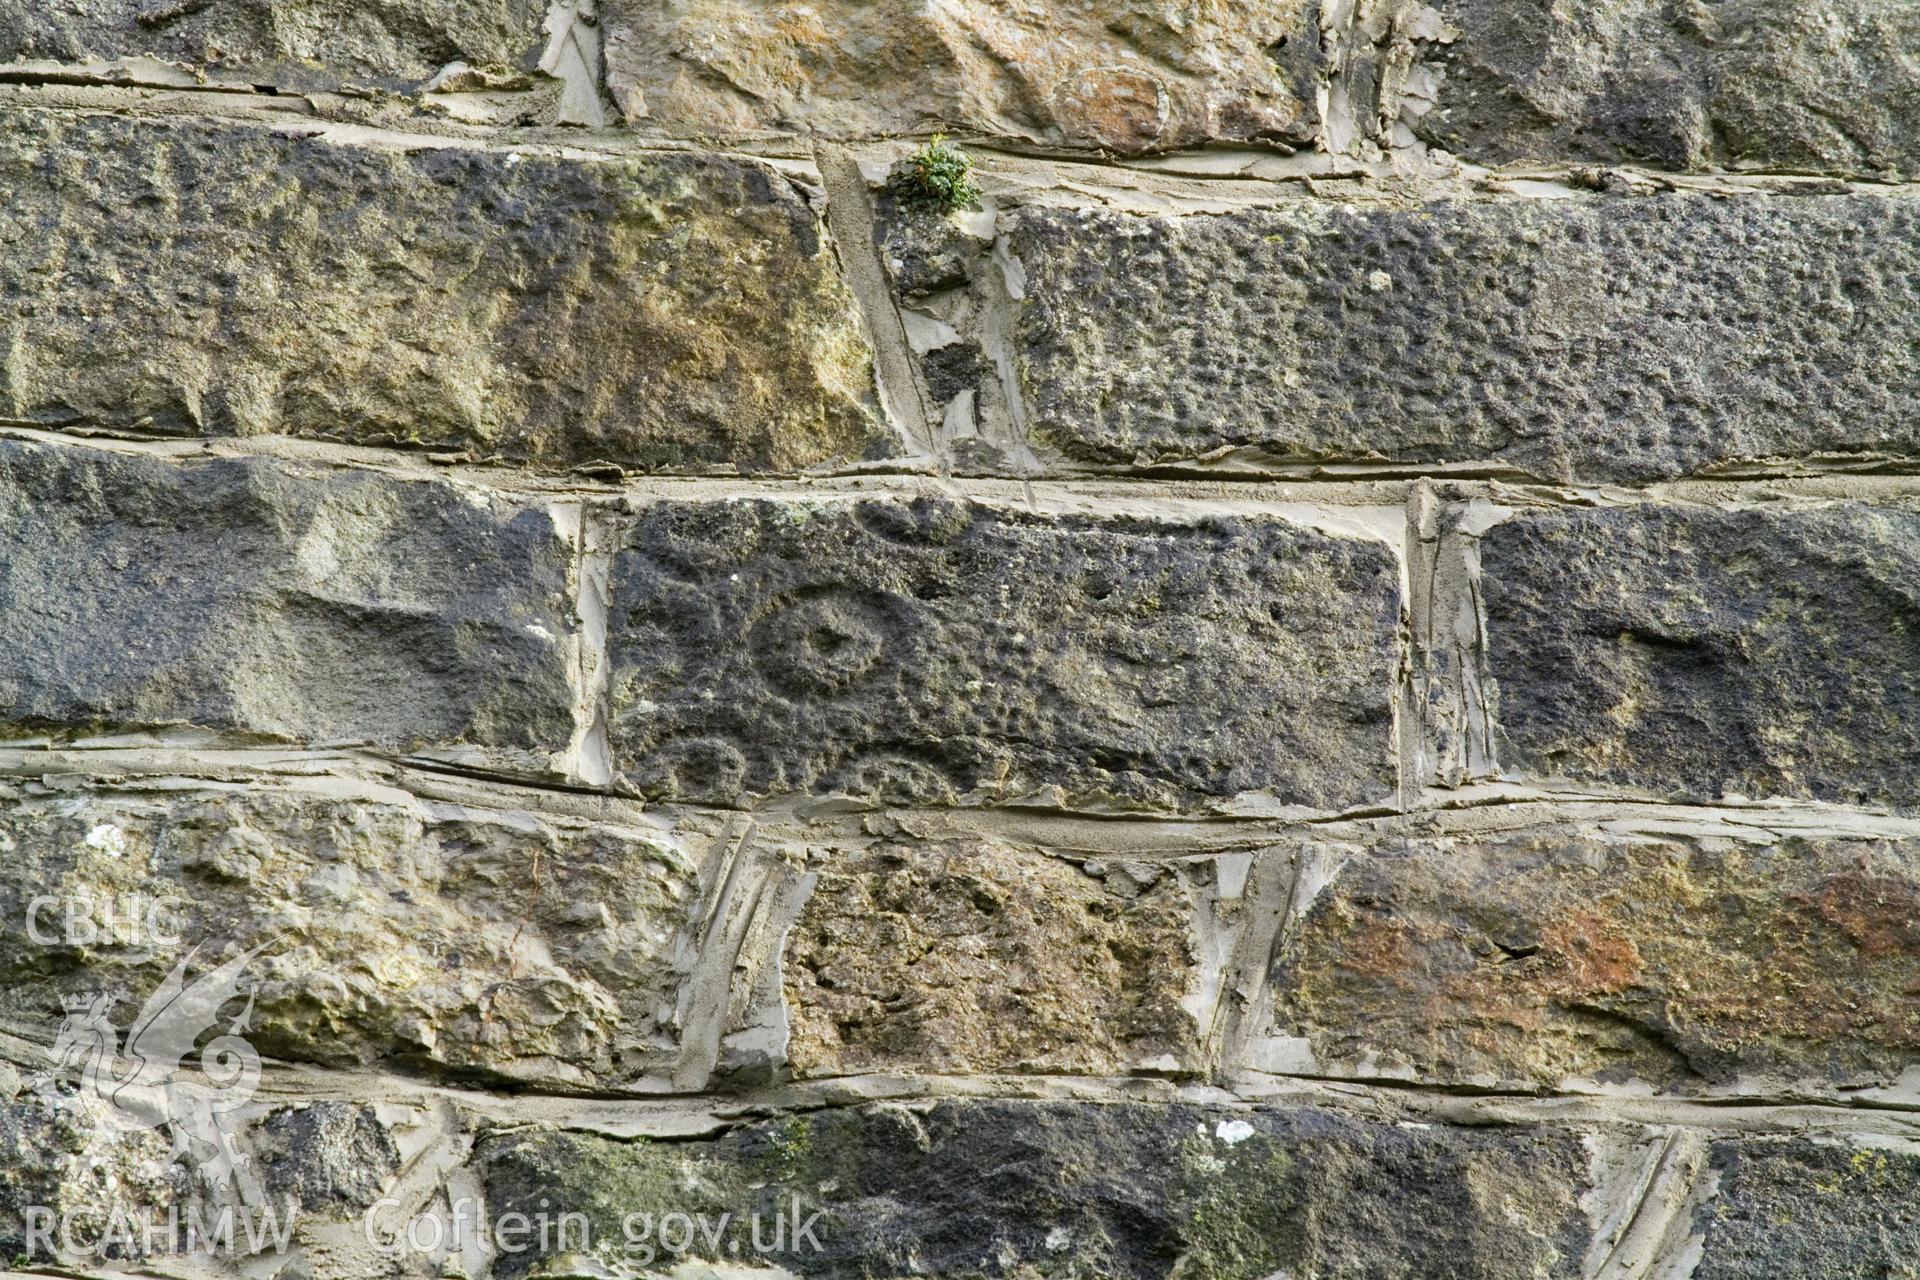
{"type": "Point", "coordinates": [143, 1083]}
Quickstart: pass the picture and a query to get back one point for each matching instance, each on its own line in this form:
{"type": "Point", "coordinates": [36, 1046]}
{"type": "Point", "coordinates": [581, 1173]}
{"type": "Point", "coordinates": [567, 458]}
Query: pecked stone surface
{"type": "Point", "coordinates": [209, 278]}
{"type": "Point", "coordinates": [1682, 964]}
{"type": "Point", "coordinates": [1774, 84]}
{"type": "Point", "coordinates": [1121, 75]}
{"type": "Point", "coordinates": [1601, 338]}
{"type": "Point", "coordinates": [273, 600]}
{"type": "Point", "coordinates": [389, 932]}
{"type": "Point", "coordinates": [1698, 653]}
{"type": "Point", "coordinates": [932, 651]}
{"type": "Point", "coordinates": [977, 956]}
{"type": "Point", "coordinates": [1118, 1190]}
{"type": "Point", "coordinates": [299, 43]}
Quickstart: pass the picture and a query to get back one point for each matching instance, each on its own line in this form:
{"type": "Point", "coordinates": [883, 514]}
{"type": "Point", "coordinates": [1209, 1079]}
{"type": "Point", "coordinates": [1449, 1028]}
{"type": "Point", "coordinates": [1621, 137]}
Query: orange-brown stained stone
{"type": "Point", "coordinates": [1122, 75]}
{"type": "Point", "coordinates": [1539, 958]}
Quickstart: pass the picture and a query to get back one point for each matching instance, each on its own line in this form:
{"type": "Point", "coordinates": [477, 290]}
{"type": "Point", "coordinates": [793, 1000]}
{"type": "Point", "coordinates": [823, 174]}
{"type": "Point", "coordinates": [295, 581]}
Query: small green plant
{"type": "Point", "coordinates": [940, 176]}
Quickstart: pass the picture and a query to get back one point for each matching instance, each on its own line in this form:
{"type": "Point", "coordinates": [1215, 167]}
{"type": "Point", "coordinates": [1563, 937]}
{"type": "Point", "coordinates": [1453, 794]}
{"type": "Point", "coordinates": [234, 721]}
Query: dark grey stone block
{"type": "Point", "coordinates": [1769, 84]}
{"type": "Point", "coordinates": [1604, 338]}
{"type": "Point", "coordinates": [297, 43]}
{"type": "Point", "coordinates": [1696, 652]}
{"type": "Point", "coordinates": [918, 651]}
{"type": "Point", "coordinates": [256, 597]}
{"type": "Point", "coordinates": [1131, 1192]}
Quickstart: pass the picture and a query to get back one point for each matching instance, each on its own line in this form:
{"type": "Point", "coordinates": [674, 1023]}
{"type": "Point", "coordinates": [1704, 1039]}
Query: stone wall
{"type": "Point", "coordinates": [1324, 685]}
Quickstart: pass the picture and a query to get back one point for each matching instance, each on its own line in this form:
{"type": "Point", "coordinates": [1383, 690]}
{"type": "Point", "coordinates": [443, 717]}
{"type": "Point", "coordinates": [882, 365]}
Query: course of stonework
{"type": "Point", "coordinates": [1322, 685]}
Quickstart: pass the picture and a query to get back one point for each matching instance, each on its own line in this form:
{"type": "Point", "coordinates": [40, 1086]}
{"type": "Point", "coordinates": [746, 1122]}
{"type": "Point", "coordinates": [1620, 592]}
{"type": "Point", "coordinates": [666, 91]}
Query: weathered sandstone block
{"type": "Point", "coordinates": [1605, 338]}
{"type": "Point", "coordinates": [930, 651]}
{"type": "Point", "coordinates": [977, 956]}
{"type": "Point", "coordinates": [1695, 652]}
{"type": "Point", "coordinates": [1125, 1191]}
{"type": "Point", "coordinates": [272, 600]}
{"type": "Point", "coordinates": [389, 43]}
{"type": "Point", "coordinates": [209, 278]}
{"type": "Point", "coordinates": [412, 936]}
{"type": "Point", "coordinates": [1679, 963]}
{"type": "Point", "coordinates": [1777, 84]}
{"type": "Point", "coordinates": [1118, 74]}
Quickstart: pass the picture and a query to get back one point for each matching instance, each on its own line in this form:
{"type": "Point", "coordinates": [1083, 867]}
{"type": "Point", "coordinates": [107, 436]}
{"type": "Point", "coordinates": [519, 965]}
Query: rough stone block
{"type": "Point", "coordinates": [330, 1156]}
{"type": "Point", "coordinates": [979, 956]}
{"type": "Point", "coordinates": [298, 43]}
{"type": "Point", "coordinates": [413, 936]}
{"type": "Point", "coordinates": [1682, 964]}
{"type": "Point", "coordinates": [1604, 338]}
{"type": "Point", "coordinates": [266, 599]}
{"type": "Point", "coordinates": [1124, 1191]}
{"type": "Point", "coordinates": [1698, 653]}
{"type": "Point", "coordinates": [932, 651]}
{"type": "Point", "coordinates": [970, 1187]}
{"type": "Point", "coordinates": [1770, 84]}
{"type": "Point", "coordinates": [194, 277]}
{"type": "Point", "coordinates": [1121, 75]}
{"type": "Point", "coordinates": [1800, 1210]}
{"type": "Point", "coordinates": [80, 1173]}
{"type": "Point", "coordinates": [84, 1191]}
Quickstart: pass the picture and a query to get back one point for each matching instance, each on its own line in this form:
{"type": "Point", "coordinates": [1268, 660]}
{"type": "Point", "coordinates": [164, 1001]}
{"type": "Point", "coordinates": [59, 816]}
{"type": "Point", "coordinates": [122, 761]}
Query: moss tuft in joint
{"type": "Point", "coordinates": [940, 176]}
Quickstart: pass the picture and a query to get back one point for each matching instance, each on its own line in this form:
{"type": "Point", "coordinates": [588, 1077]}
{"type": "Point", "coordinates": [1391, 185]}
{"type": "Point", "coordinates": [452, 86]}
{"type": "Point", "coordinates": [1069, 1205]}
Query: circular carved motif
{"type": "Point", "coordinates": [821, 643]}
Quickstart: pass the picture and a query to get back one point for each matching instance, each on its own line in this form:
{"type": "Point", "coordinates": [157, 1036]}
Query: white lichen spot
{"type": "Point", "coordinates": [1379, 281]}
{"type": "Point", "coordinates": [1059, 1240]}
{"type": "Point", "coordinates": [108, 839]}
{"type": "Point", "coordinates": [317, 555]}
{"type": "Point", "coordinates": [539, 632]}
{"type": "Point", "coordinates": [1233, 1132]}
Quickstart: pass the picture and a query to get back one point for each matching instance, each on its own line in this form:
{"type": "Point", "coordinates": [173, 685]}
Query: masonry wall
{"type": "Point", "coordinates": [1325, 685]}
